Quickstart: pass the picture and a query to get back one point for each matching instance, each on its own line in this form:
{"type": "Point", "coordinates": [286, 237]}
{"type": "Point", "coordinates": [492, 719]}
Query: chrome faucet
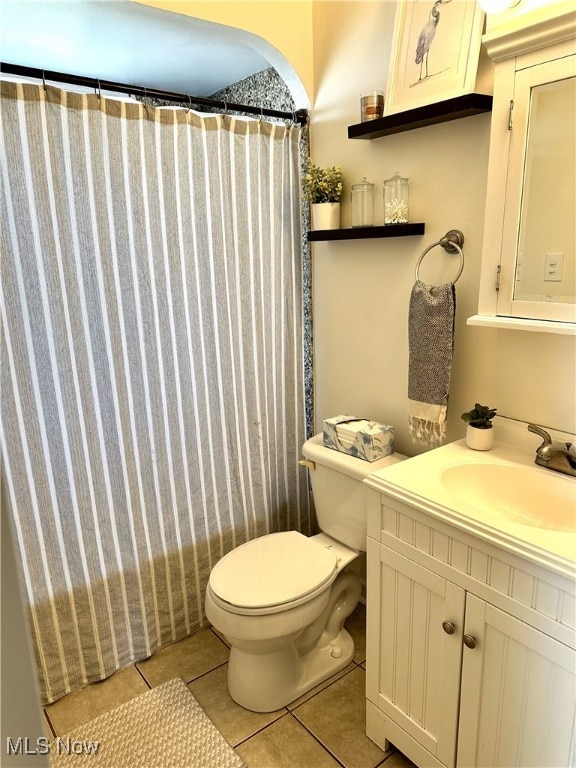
{"type": "Point", "coordinates": [560, 457]}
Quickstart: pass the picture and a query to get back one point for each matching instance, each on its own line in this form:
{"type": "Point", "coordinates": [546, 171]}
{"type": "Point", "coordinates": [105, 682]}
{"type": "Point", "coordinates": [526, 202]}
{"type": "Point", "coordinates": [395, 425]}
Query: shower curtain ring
{"type": "Point", "coordinates": [99, 90]}
{"type": "Point", "coordinates": [44, 80]}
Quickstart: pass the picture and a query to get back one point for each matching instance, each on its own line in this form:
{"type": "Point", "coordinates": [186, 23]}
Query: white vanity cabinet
{"type": "Point", "coordinates": [518, 689]}
{"type": "Point", "coordinates": [470, 648]}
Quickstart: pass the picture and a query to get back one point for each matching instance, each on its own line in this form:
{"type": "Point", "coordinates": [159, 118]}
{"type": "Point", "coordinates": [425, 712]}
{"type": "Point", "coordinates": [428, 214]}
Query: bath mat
{"type": "Point", "coordinates": [162, 728]}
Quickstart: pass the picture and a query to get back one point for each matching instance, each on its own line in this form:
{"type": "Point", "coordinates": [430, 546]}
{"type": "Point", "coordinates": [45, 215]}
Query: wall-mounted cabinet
{"type": "Point", "coordinates": [528, 255]}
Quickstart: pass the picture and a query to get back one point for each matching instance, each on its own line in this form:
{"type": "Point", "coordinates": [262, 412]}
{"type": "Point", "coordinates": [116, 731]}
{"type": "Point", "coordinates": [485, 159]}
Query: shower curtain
{"type": "Point", "coordinates": [152, 365]}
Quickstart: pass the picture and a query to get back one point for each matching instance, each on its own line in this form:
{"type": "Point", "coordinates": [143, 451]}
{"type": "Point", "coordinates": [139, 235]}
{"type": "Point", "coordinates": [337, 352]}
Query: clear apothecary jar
{"type": "Point", "coordinates": [396, 200]}
{"type": "Point", "coordinates": [363, 204]}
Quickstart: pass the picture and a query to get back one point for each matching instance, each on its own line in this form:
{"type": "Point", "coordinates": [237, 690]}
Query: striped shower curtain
{"type": "Point", "coordinates": [151, 363]}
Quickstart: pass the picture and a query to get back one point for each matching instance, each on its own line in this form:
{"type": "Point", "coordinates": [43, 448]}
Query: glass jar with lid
{"type": "Point", "coordinates": [363, 204]}
{"type": "Point", "coordinates": [396, 200]}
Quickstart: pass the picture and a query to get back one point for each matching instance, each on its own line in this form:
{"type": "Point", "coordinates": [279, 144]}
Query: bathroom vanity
{"type": "Point", "coordinates": [471, 609]}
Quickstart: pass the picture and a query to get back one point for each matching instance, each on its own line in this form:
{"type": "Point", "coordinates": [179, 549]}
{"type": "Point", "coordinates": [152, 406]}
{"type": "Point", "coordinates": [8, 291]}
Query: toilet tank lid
{"type": "Point", "coordinates": [315, 450]}
{"type": "Point", "coordinates": [271, 570]}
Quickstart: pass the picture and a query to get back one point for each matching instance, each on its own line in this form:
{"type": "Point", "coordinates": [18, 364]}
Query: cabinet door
{"type": "Point", "coordinates": [413, 665]}
{"type": "Point", "coordinates": [518, 694]}
{"type": "Point", "coordinates": [540, 191]}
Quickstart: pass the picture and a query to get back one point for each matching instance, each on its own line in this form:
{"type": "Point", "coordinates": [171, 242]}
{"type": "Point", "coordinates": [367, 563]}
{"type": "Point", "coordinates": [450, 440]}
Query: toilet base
{"type": "Point", "coordinates": [265, 682]}
{"type": "Point", "coordinates": [276, 672]}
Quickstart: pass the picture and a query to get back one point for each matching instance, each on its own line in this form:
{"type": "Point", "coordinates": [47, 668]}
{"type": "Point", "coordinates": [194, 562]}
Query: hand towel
{"type": "Point", "coordinates": [431, 344]}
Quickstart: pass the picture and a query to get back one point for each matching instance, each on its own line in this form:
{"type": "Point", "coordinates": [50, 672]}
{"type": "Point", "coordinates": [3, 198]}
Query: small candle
{"type": "Point", "coordinates": [372, 105]}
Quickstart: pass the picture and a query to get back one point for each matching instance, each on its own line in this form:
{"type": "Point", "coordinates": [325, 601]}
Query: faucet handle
{"type": "Point", "coordinates": [544, 450]}
{"type": "Point", "coordinates": [542, 432]}
{"type": "Point", "coordinates": [558, 456]}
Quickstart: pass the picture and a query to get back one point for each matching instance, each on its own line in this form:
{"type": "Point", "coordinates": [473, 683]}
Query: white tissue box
{"type": "Point", "coordinates": [367, 440]}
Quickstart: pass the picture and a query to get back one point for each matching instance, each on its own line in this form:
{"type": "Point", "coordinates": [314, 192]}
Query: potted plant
{"type": "Point", "coordinates": [479, 434]}
{"type": "Point", "coordinates": [323, 190]}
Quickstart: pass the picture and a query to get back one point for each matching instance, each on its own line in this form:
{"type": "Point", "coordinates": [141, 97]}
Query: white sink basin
{"type": "Point", "coordinates": [500, 495]}
{"type": "Point", "coordinates": [526, 495]}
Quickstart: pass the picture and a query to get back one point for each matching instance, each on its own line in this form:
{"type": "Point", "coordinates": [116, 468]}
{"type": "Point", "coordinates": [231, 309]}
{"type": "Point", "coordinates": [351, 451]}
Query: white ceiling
{"type": "Point", "coordinates": [129, 43]}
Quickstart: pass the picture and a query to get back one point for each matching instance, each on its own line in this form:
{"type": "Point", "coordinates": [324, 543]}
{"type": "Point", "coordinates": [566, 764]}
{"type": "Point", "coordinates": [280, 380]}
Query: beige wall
{"type": "Point", "coordinates": [362, 288]}
{"type": "Point", "coordinates": [285, 24]}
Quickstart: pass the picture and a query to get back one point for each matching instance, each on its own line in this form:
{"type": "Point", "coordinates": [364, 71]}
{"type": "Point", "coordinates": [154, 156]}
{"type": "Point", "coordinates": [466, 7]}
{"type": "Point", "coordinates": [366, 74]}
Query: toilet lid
{"type": "Point", "coordinates": [271, 570]}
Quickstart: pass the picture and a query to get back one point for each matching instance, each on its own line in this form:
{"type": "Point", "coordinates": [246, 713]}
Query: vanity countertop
{"type": "Point", "coordinates": [481, 492]}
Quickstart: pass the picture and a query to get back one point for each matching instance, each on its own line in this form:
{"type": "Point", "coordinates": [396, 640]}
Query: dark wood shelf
{"type": "Point", "coordinates": [431, 114]}
{"type": "Point", "coordinates": [361, 233]}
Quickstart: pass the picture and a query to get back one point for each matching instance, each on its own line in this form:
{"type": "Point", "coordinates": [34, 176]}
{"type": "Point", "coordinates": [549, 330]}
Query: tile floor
{"type": "Point", "coordinates": [323, 729]}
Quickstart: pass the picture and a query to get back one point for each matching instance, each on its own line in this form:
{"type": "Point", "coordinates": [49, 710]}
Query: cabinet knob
{"type": "Point", "coordinates": [448, 627]}
{"type": "Point", "coordinates": [469, 641]}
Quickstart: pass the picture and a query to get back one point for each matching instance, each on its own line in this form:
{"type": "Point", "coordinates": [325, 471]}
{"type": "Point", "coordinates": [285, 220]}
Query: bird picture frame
{"type": "Point", "coordinates": [435, 52]}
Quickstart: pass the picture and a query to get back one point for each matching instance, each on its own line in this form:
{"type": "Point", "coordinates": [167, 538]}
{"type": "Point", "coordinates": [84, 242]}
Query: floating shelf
{"type": "Point", "coordinates": [431, 114]}
{"type": "Point", "coordinates": [361, 233]}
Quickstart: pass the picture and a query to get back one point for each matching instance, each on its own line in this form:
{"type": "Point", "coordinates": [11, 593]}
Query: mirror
{"type": "Point", "coordinates": [528, 278]}
{"type": "Point", "coordinates": [546, 257]}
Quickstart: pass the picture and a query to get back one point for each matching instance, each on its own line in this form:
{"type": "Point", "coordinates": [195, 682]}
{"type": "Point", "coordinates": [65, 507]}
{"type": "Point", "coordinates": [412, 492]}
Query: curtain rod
{"type": "Point", "coordinates": [300, 116]}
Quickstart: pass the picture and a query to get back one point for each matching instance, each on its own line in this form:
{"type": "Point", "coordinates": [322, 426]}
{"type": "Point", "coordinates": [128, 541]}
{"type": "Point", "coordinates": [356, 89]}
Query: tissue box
{"type": "Point", "coordinates": [367, 440]}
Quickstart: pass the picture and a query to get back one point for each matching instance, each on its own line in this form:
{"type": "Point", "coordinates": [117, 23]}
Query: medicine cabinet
{"type": "Point", "coordinates": [528, 276]}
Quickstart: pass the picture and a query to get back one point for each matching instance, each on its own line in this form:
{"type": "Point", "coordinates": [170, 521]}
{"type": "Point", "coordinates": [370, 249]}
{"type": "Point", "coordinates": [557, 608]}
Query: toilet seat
{"type": "Point", "coordinates": [272, 573]}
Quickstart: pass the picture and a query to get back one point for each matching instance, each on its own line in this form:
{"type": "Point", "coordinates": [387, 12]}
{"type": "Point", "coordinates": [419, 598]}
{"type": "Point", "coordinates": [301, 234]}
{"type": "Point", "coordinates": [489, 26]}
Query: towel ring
{"type": "Point", "coordinates": [452, 243]}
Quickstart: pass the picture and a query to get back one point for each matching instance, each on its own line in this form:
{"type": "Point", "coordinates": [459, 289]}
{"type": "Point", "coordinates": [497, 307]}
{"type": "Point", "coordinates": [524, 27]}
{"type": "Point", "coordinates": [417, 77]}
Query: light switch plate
{"type": "Point", "coordinates": [553, 264]}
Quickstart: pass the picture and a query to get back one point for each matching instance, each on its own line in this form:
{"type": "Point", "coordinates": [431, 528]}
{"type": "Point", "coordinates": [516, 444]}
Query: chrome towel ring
{"type": "Point", "coordinates": [452, 243]}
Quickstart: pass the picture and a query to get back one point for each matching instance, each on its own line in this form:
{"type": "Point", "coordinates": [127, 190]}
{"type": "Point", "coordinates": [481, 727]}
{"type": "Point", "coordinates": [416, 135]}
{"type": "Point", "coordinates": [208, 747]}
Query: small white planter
{"type": "Point", "coordinates": [479, 439]}
{"type": "Point", "coordinates": [326, 216]}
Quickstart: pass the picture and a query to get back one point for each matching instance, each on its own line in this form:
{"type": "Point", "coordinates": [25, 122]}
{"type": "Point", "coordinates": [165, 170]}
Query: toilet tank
{"type": "Point", "coordinates": [338, 490]}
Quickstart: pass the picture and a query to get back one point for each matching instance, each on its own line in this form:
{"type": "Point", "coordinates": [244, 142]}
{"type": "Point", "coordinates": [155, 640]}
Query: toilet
{"type": "Point", "coordinates": [281, 600]}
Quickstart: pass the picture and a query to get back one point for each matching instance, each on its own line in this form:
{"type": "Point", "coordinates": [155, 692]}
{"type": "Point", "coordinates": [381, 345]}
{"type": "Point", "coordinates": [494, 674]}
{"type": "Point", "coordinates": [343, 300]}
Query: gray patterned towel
{"type": "Point", "coordinates": [431, 342]}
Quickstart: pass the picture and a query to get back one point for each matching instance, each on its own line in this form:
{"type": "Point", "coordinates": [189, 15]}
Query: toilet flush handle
{"type": "Point", "coordinates": [306, 463]}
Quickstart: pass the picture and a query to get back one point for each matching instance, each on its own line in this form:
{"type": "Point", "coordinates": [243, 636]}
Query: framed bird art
{"type": "Point", "coordinates": [435, 52]}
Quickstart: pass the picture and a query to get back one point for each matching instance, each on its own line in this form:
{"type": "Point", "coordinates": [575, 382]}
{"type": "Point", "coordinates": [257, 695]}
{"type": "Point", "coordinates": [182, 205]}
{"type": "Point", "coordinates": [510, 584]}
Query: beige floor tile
{"type": "Point", "coordinates": [95, 700]}
{"type": "Point", "coordinates": [397, 760]}
{"type": "Point", "coordinates": [47, 726]}
{"type": "Point", "coordinates": [321, 686]}
{"type": "Point", "coordinates": [285, 744]}
{"type": "Point", "coordinates": [356, 626]}
{"type": "Point", "coordinates": [188, 659]}
{"type": "Point", "coordinates": [337, 718]}
{"type": "Point", "coordinates": [235, 723]}
{"type": "Point", "coordinates": [220, 635]}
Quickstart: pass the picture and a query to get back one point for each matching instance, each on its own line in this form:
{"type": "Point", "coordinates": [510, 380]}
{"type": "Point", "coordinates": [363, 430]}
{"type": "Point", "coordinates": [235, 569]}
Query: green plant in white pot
{"type": "Point", "coordinates": [323, 190]}
{"type": "Point", "coordinates": [479, 433]}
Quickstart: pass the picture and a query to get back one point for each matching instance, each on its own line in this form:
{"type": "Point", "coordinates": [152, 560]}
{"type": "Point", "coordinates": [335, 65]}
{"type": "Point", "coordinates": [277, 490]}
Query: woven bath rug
{"type": "Point", "coordinates": [162, 728]}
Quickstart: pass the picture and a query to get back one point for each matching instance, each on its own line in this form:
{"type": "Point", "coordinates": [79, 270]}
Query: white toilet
{"type": "Point", "coordinates": [281, 600]}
